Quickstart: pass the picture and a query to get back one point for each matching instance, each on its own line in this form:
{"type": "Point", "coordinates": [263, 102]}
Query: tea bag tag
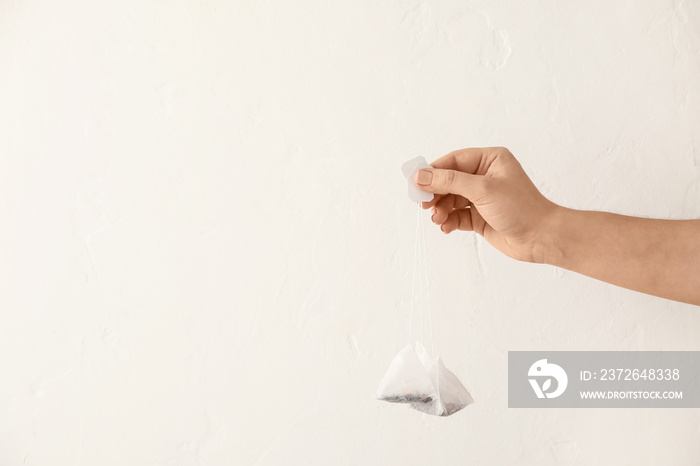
{"type": "Point", "coordinates": [409, 170]}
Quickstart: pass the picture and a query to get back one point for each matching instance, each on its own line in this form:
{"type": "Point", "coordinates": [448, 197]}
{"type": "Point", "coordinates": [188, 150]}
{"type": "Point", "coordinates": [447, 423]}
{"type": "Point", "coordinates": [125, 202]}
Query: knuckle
{"type": "Point", "coordinates": [458, 221]}
{"type": "Point", "coordinates": [448, 177]}
{"type": "Point", "coordinates": [503, 151]}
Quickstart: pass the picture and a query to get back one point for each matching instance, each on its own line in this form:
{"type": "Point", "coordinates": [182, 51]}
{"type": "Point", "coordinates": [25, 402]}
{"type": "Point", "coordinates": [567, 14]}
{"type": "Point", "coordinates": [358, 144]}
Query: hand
{"type": "Point", "coordinates": [487, 191]}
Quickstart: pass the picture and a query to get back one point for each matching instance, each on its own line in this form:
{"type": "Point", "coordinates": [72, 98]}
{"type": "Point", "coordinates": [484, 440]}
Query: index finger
{"type": "Point", "coordinates": [472, 160]}
{"type": "Point", "coordinates": [429, 204]}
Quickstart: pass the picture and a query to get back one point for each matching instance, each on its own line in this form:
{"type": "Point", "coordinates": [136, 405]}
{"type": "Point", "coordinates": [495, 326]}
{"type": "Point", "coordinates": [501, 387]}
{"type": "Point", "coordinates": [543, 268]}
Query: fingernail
{"type": "Point", "coordinates": [442, 228]}
{"type": "Point", "coordinates": [432, 214]}
{"type": "Point", "coordinates": [424, 177]}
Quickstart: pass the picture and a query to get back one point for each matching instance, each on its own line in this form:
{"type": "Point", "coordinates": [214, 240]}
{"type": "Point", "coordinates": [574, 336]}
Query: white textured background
{"type": "Point", "coordinates": [206, 246]}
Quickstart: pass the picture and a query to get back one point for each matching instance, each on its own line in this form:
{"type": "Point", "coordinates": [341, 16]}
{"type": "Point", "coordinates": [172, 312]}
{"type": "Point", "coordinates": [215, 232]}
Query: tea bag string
{"type": "Point", "coordinates": [418, 253]}
{"type": "Point", "coordinates": [427, 283]}
{"type": "Point", "coordinates": [413, 279]}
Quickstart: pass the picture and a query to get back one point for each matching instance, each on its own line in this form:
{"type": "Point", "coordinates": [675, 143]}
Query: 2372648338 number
{"type": "Point", "coordinates": [639, 374]}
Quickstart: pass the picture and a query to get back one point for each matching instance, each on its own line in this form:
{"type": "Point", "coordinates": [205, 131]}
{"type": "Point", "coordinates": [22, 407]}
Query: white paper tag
{"type": "Point", "coordinates": [409, 170]}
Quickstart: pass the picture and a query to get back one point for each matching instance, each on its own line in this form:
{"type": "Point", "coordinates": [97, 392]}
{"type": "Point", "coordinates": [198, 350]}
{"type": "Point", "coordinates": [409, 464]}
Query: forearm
{"type": "Point", "coordinates": [658, 257]}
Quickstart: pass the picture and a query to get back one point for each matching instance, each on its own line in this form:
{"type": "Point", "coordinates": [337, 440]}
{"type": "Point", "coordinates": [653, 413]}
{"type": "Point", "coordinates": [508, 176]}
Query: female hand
{"type": "Point", "coordinates": [487, 191]}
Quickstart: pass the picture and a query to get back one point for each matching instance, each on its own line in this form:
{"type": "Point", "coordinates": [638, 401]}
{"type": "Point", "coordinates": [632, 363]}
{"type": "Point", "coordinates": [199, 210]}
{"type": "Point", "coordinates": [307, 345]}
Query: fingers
{"type": "Point", "coordinates": [464, 219]}
{"type": "Point", "coordinates": [447, 181]}
{"type": "Point", "coordinates": [459, 203]}
{"type": "Point", "coordinates": [429, 204]}
{"type": "Point", "coordinates": [444, 206]}
{"type": "Point", "coordinates": [460, 219]}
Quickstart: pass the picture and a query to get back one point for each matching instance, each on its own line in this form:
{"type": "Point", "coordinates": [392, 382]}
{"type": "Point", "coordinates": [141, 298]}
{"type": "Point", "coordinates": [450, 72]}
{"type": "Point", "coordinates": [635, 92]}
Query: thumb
{"type": "Point", "coordinates": [439, 181]}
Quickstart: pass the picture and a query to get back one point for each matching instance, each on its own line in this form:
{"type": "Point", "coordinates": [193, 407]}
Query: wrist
{"type": "Point", "coordinates": [551, 240]}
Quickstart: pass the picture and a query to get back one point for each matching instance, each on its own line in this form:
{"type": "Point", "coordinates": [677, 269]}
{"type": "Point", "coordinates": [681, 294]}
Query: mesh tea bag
{"type": "Point", "coordinates": [415, 376]}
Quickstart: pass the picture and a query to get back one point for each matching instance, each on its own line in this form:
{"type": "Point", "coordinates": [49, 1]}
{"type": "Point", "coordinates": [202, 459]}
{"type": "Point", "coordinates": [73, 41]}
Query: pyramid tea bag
{"type": "Point", "coordinates": [416, 377]}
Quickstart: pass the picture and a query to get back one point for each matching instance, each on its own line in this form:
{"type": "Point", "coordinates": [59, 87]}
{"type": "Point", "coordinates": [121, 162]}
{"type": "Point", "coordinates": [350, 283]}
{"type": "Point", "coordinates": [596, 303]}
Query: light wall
{"type": "Point", "coordinates": [206, 247]}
